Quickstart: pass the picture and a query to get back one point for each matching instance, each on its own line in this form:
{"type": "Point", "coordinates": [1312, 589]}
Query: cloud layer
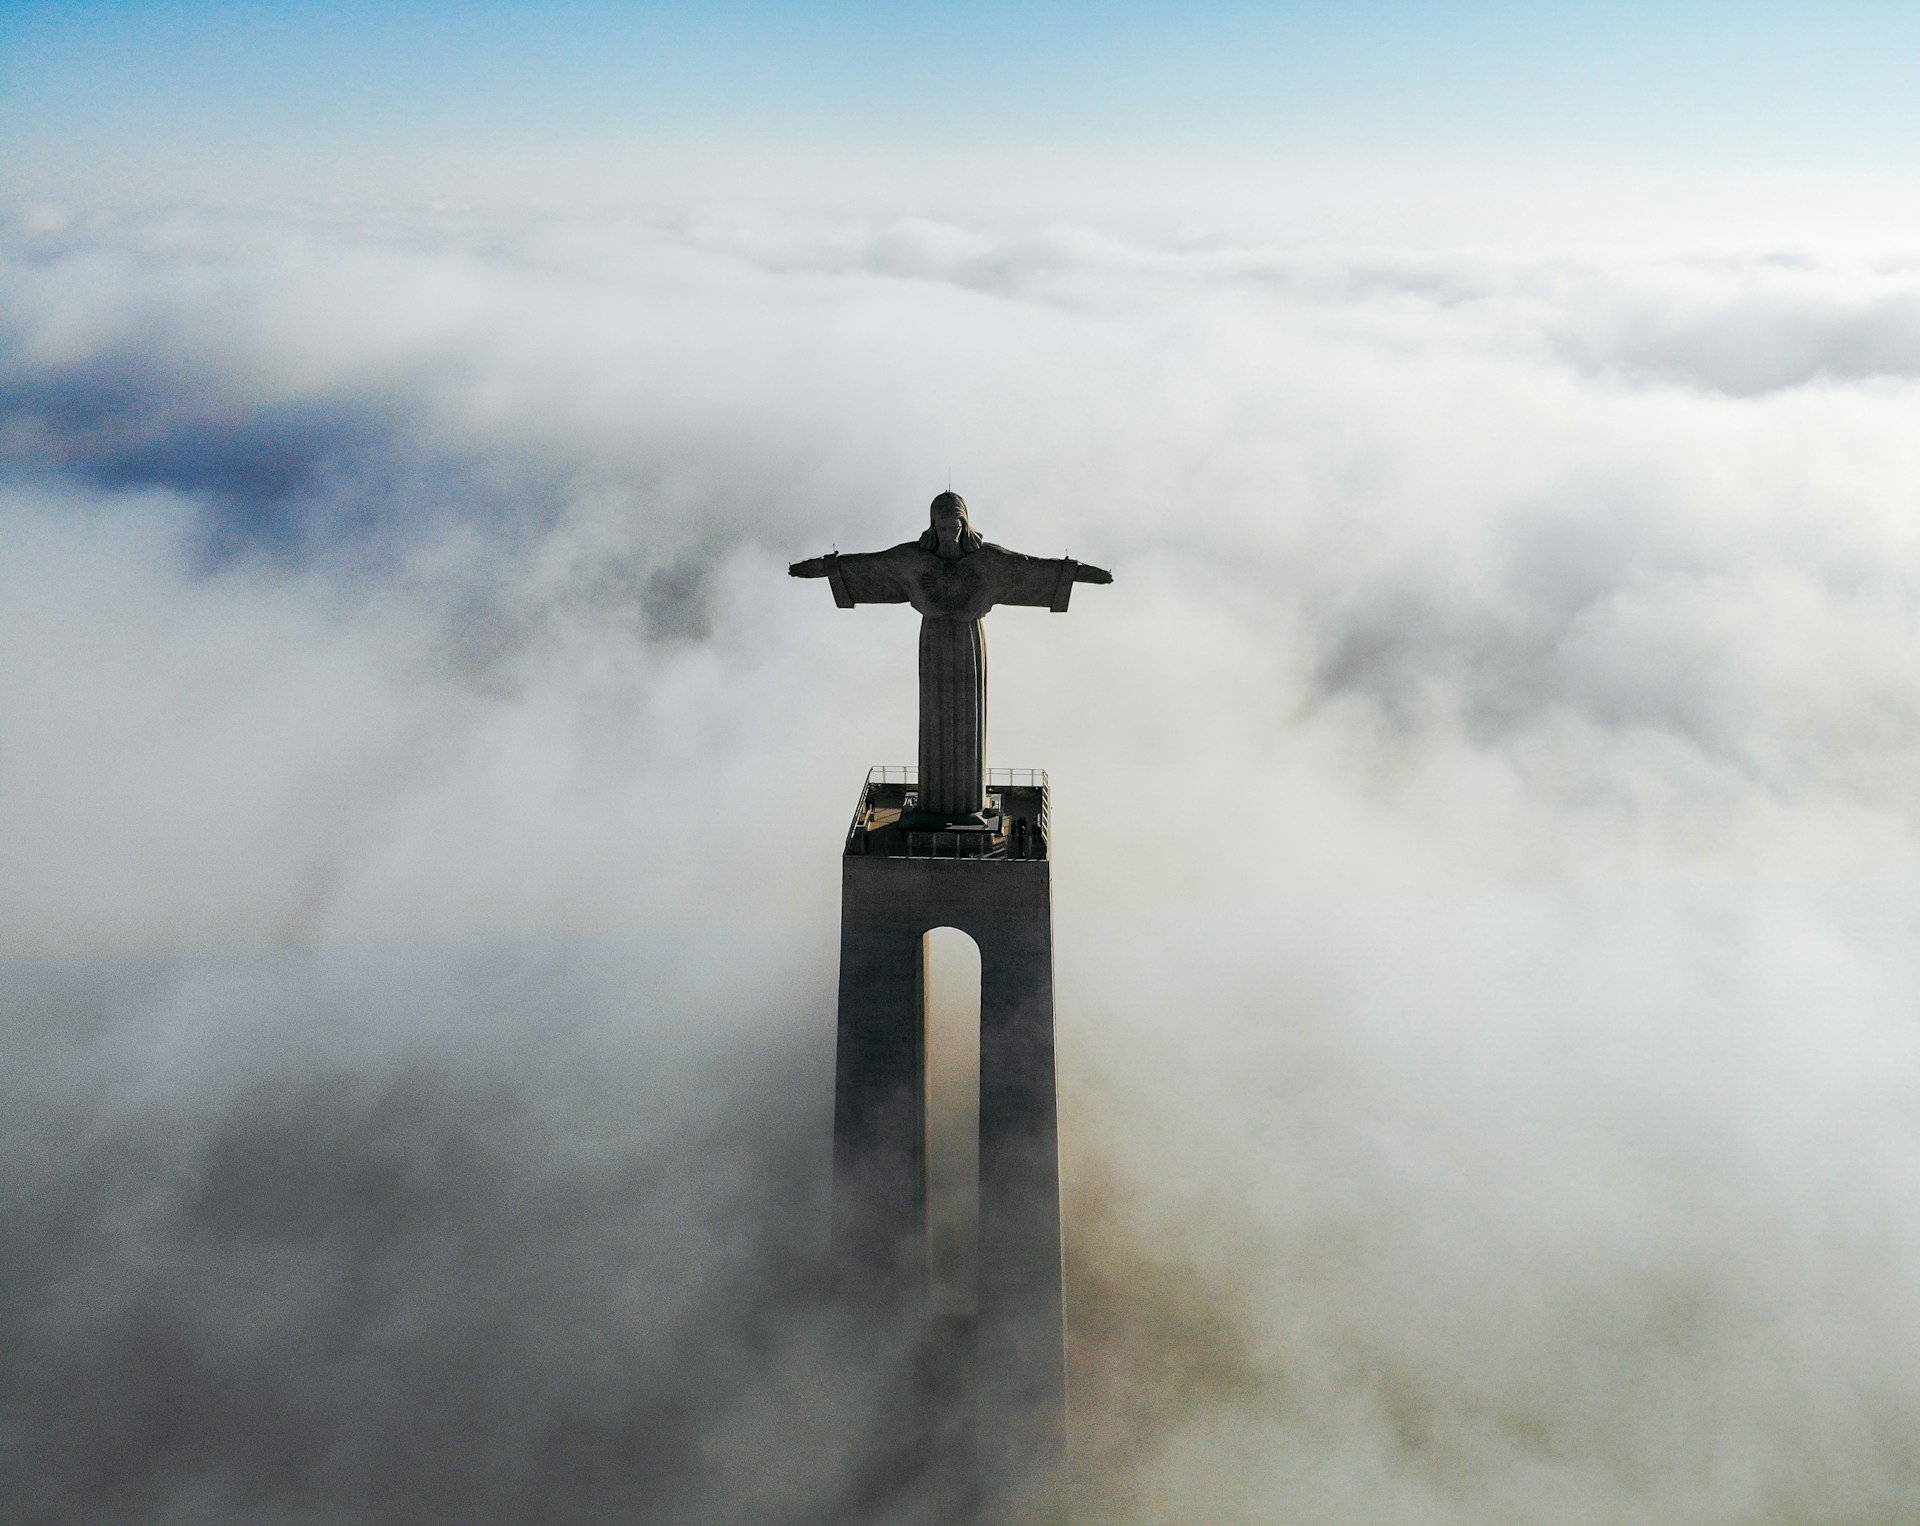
{"type": "Point", "coordinates": [1487, 868]}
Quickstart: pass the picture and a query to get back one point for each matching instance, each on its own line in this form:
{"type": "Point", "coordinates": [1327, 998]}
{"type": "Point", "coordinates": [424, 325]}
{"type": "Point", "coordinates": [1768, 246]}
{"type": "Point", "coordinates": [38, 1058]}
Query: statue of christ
{"type": "Point", "coordinates": [953, 577]}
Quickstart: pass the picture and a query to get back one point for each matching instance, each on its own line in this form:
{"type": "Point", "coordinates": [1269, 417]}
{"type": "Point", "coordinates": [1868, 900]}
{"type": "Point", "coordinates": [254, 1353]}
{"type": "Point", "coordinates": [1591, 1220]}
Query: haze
{"type": "Point", "coordinates": [1485, 801]}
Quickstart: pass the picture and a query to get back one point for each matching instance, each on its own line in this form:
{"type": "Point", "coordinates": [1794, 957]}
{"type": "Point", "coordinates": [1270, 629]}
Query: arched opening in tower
{"type": "Point", "coordinates": [951, 986]}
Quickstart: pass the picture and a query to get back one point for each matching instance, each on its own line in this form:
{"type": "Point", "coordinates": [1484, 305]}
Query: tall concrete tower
{"type": "Point", "coordinates": [950, 845]}
{"type": "Point", "coordinates": [1006, 1376]}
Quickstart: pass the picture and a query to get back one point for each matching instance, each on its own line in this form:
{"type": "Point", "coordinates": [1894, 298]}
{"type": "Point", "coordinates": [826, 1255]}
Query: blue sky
{"type": "Point", "coordinates": [1470, 75]}
{"type": "Point", "coordinates": [156, 94]}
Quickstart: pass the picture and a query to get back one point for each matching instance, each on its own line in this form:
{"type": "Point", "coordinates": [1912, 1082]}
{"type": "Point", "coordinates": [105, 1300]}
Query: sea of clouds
{"type": "Point", "coordinates": [1488, 833]}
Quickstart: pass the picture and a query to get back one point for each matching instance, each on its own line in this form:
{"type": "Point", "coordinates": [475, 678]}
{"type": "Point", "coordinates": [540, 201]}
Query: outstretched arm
{"type": "Point", "coordinates": [1040, 582]}
{"type": "Point", "coordinates": [861, 577]}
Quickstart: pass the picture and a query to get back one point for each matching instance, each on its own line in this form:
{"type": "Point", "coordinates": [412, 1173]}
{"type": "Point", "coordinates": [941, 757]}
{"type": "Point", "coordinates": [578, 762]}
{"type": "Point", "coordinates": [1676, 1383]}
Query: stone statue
{"type": "Point", "coordinates": [953, 577]}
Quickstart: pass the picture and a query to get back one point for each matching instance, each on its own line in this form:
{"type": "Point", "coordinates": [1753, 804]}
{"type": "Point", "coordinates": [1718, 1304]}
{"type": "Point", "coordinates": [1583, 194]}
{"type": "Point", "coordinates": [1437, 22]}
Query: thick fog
{"type": "Point", "coordinates": [1487, 807]}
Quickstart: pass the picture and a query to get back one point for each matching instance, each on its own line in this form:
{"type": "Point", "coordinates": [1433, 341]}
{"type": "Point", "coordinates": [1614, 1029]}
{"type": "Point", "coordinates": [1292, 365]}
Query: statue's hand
{"type": "Point", "coordinates": [1082, 573]}
{"type": "Point", "coordinates": [812, 567]}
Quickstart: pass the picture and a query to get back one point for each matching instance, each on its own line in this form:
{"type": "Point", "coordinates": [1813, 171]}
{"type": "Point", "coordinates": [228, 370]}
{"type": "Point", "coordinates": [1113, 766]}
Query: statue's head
{"type": "Point", "coordinates": [950, 532]}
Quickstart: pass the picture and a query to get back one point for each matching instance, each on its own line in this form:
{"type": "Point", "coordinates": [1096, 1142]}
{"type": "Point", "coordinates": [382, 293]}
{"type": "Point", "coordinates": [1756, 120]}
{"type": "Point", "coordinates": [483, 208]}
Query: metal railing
{"type": "Point", "coordinates": [1024, 843]}
{"type": "Point", "coordinates": [1005, 778]}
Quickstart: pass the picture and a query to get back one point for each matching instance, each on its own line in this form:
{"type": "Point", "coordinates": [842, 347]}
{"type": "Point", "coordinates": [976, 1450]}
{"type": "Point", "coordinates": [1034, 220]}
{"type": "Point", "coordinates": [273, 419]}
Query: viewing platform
{"type": "Point", "coordinates": [1015, 825]}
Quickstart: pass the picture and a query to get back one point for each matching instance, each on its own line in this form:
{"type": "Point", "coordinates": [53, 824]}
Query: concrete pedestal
{"type": "Point", "coordinates": [1002, 1386]}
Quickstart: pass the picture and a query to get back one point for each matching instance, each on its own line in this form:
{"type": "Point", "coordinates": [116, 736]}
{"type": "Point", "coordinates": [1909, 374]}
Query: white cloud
{"type": "Point", "coordinates": [1486, 824]}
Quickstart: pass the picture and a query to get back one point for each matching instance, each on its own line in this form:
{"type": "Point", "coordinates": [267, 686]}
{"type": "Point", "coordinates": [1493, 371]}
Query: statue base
{"type": "Point", "coordinates": [940, 821]}
{"type": "Point", "coordinates": [984, 1421]}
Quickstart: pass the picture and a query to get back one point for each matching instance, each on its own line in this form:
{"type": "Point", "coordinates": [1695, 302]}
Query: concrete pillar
{"type": "Point", "coordinates": [1016, 1392]}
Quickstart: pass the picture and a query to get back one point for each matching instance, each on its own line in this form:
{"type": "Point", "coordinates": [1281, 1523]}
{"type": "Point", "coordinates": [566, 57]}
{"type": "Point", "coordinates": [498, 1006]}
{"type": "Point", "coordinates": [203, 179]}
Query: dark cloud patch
{"type": "Point", "coordinates": [315, 481]}
{"type": "Point", "coordinates": [675, 600]}
{"type": "Point", "coordinates": [266, 476]}
{"type": "Point", "coordinates": [389, 1288]}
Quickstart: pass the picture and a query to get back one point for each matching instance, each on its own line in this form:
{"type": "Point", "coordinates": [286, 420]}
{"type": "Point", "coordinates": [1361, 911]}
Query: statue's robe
{"type": "Point", "coordinates": [952, 594]}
